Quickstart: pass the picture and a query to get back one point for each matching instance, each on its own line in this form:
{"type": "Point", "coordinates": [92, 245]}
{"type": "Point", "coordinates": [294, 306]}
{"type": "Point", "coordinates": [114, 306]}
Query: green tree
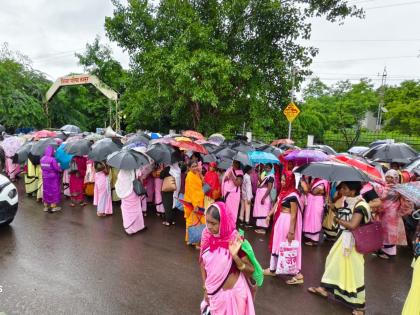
{"type": "Point", "coordinates": [213, 65]}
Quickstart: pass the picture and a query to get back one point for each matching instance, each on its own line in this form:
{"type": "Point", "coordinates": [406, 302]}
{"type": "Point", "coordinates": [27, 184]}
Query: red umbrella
{"type": "Point", "coordinates": [193, 134]}
{"type": "Point", "coordinates": [282, 141]}
{"type": "Point", "coordinates": [44, 134]}
{"type": "Point", "coordinates": [367, 168]}
{"type": "Point", "coordinates": [190, 146]}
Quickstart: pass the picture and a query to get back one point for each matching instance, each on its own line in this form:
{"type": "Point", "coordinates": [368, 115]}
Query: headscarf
{"type": "Point", "coordinates": [49, 151]}
{"type": "Point", "coordinates": [124, 184]}
{"type": "Point", "coordinates": [394, 174]}
{"type": "Point", "coordinates": [227, 231]}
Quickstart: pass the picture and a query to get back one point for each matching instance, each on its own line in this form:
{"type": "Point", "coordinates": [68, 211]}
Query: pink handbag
{"type": "Point", "coordinates": [368, 237]}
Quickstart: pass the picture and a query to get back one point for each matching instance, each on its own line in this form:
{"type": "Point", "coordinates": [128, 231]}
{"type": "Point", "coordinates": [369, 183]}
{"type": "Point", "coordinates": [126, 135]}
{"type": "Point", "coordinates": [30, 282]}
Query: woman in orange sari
{"type": "Point", "coordinates": [194, 195]}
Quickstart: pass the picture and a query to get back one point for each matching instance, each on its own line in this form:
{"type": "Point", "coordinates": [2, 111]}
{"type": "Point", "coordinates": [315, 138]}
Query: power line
{"type": "Point", "coordinates": [393, 5]}
{"type": "Point", "coordinates": [366, 40]}
{"type": "Point", "coordinates": [365, 59]}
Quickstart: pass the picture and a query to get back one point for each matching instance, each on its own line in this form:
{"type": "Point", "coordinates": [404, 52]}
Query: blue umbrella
{"type": "Point", "coordinates": [63, 157]}
{"type": "Point", "coordinates": [258, 157]}
{"type": "Point", "coordinates": [155, 135]}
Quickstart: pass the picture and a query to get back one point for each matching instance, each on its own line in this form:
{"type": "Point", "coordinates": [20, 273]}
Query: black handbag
{"type": "Point", "coordinates": [139, 188]}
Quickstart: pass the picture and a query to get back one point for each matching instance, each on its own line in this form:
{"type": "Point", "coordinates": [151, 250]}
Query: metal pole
{"type": "Point", "coordinates": [292, 97]}
{"type": "Point", "coordinates": [382, 101]}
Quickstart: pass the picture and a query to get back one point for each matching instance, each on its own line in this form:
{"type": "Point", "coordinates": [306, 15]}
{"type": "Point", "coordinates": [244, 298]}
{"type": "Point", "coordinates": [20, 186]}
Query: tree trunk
{"type": "Point", "coordinates": [195, 111]}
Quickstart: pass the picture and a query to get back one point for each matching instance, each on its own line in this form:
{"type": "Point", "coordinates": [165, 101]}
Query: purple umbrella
{"type": "Point", "coordinates": [301, 157]}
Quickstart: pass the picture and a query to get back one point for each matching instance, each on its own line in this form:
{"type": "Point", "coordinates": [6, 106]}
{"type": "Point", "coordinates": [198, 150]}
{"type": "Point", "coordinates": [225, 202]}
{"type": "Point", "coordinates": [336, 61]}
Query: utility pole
{"type": "Point", "coordinates": [292, 98]}
{"type": "Point", "coordinates": [381, 100]}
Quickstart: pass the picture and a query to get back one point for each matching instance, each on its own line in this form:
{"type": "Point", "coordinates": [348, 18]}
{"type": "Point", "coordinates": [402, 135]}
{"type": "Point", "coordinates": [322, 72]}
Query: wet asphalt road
{"type": "Point", "coordinates": [73, 262]}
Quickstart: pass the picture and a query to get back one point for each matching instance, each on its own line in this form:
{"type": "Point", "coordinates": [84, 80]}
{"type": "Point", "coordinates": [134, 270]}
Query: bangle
{"type": "Point", "coordinates": [241, 268]}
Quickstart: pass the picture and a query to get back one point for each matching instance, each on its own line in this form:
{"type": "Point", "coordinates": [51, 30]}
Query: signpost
{"type": "Point", "coordinates": [291, 112]}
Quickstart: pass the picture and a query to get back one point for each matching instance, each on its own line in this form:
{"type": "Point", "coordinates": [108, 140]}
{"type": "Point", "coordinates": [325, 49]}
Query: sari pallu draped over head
{"type": "Point", "coordinates": [214, 252]}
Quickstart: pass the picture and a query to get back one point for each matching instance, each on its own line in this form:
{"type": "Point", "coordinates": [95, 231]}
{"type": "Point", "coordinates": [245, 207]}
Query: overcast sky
{"type": "Point", "coordinates": [51, 31]}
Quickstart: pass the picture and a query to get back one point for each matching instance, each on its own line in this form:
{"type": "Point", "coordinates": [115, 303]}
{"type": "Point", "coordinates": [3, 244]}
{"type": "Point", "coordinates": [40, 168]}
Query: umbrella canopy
{"type": "Point", "coordinates": [102, 148]}
{"type": "Point", "coordinates": [258, 157]}
{"type": "Point", "coordinates": [270, 149]}
{"type": "Point", "coordinates": [391, 152]}
{"type": "Point", "coordinates": [11, 145]}
{"type": "Point", "coordinates": [322, 147]}
{"type": "Point", "coordinates": [139, 138]}
{"type": "Point", "coordinates": [44, 134]}
{"type": "Point", "coordinates": [154, 135]}
{"type": "Point", "coordinates": [163, 153]}
{"type": "Point", "coordinates": [306, 156]}
{"type": "Point", "coordinates": [94, 137]}
{"type": "Point", "coordinates": [282, 141]}
{"type": "Point", "coordinates": [71, 129]}
{"type": "Point", "coordinates": [217, 137]}
{"type": "Point", "coordinates": [243, 158]}
{"type": "Point", "coordinates": [358, 150]}
{"type": "Point", "coordinates": [224, 163]}
{"type": "Point", "coordinates": [224, 152]}
{"type": "Point", "coordinates": [411, 191]}
{"type": "Point", "coordinates": [39, 147]}
{"type": "Point", "coordinates": [189, 146]}
{"type": "Point", "coordinates": [193, 134]}
{"type": "Point", "coordinates": [241, 146]}
{"type": "Point", "coordinates": [365, 167]}
{"type": "Point", "coordinates": [127, 160]}
{"type": "Point", "coordinates": [377, 142]}
{"type": "Point", "coordinates": [21, 154]}
{"type": "Point", "coordinates": [209, 158]}
{"type": "Point", "coordinates": [333, 172]}
{"type": "Point", "coordinates": [78, 148]}
{"type": "Point", "coordinates": [63, 157]}
{"type": "Point", "coordinates": [209, 146]}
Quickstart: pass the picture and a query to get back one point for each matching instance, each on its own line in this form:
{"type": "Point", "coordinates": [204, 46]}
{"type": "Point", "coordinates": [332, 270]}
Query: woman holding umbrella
{"type": "Point", "coordinates": [231, 188]}
{"type": "Point", "coordinates": [344, 268]}
{"type": "Point", "coordinates": [102, 197]}
{"type": "Point", "coordinates": [51, 180]}
{"type": "Point", "coordinates": [262, 204]}
{"type": "Point", "coordinates": [77, 180]}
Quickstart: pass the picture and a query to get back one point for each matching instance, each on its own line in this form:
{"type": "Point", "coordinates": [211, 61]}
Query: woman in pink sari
{"type": "Point", "coordinates": [77, 181]}
{"type": "Point", "coordinates": [262, 204]}
{"type": "Point", "coordinates": [390, 217]}
{"type": "Point", "coordinates": [224, 266]}
{"type": "Point", "coordinates": [12, 169]}
{"type": "Point", "coordinates": [102, 197]}
{"type": "Point", "coordinates": [231, 189]}
{"type": "Point", "coordinates": [160, 210]}
{"type": "Point", "coordinates": [287, 226]}
{"type": "Point", "coordinates": [130, 202]}
{"type": "Point", "coordinates": [317, 193]}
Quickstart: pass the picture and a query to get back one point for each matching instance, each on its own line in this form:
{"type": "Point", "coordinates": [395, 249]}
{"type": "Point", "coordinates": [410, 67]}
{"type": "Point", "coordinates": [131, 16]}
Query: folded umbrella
{"type": "Point", "coordinates": [306, 156]}
{"type": "Point", "coordinates": [257, 157]}
{"type": "Point", "coordinates": [78, 148]}
{"type": "Point", "coordinates": [101, 149]}
{"type": "Point", "coordinates": [163, 153]}
{"type": "Point", "coordinates": [391, 152]}
{"type": "Point", "coordinates": [127, 160]}
{"type": "Point", "coordinates": [333, 172]}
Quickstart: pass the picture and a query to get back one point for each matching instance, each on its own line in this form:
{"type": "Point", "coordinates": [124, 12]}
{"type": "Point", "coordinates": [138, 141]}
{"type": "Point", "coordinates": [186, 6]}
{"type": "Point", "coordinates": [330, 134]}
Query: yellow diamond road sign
{"type": "Point", "coordinates": [291, 112]}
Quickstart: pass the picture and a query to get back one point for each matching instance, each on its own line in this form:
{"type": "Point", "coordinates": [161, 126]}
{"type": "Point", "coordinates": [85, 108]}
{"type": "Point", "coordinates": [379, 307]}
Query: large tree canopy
{"type": "Point", "coordinates": [215, 65]}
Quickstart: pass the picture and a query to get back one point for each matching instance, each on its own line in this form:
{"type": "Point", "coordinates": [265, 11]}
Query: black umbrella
{"type": "Point", "coordinates": [210, 147]}
{"type": "Point", "coordinates": [39, 147]}
{"type": "Point", "coordinates": [333, 172]}
{"type": "Point", "coordinates": [391, 152]}
{"type": "Point", "coordinates": [139, 138]}
{"type": "Point", "coordinates": [242, 158]}
{"type": "Point", "coordinates": [270, 149]}
{"type": "Point", "coordinates": [70, 129]}
{"type": "Point", "coordinates": [162, 153]}
{"type": "Point", "coordinates": [102, 148]}
{"type": "Point", "coordinates": [21, 154]}
{"type": "Point", "coordinates": [127, 160]}
{"type": "Point", "coordinates": [224, 152]}
{"type": "Point", "coordinates": [208, 158]}
{"type": "Point", "coordinates": [79, 148]}
{"type": "Point", "coordinates": [224, 164]}
{"type": "Point", "coordinates": [242, 147]}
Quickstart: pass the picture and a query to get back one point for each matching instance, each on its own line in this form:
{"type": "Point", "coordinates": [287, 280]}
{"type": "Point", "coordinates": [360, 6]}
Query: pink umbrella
{"type": "Point", "coordinates": [11, 145]}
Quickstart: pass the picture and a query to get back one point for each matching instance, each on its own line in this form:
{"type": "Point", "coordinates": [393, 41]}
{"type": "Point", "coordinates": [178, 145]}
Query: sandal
{"type": "Point", "coordinates": [72, 205]}
{"type": "Point", "coordinates": [82, 204]}
{"type": "Point", "coordinates": [100, 214]}
{"type": "Point", "coordinates": [358, 311]}
{"type": "Point", "coordinates": [268, 272]}
{"type": "Point", "coordinates": [166, 223]}
{"type": "Point", "coordinates": [295, 281]}
{"type": "Point", "coordinates": [317, 291]}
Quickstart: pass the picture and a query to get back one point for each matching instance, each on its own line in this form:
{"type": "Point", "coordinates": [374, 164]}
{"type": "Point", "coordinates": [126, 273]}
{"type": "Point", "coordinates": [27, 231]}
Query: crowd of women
{"type": "Point", "coordinates": [299, 210]}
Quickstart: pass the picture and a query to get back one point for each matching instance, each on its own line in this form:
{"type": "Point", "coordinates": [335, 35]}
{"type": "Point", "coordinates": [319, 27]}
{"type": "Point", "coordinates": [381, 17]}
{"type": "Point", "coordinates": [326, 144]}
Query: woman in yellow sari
{"type": "Point", "coordinates": [195, 196]}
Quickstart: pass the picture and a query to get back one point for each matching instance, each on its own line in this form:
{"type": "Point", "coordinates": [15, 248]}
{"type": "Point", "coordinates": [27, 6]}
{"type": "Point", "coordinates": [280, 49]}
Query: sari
{"type": "Point", "coordinates": [12, 169]}
{"type": "Point", "coordinates": [102, 197]}
{"type": "Point", "coordinates": [193, 194]}
{"type": "Point", "coordinates": [261, 211]}
{"type": "Point", "coordinates": [232, 193]}
{"type": "Point", "coordinates": [31, 178]}
{"type": "Point", "coordinates": [314, 211]}
{"type": "Point", "coordinates": [77, 179]}
{"type": "Point", "coordinates": [217, 261]}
